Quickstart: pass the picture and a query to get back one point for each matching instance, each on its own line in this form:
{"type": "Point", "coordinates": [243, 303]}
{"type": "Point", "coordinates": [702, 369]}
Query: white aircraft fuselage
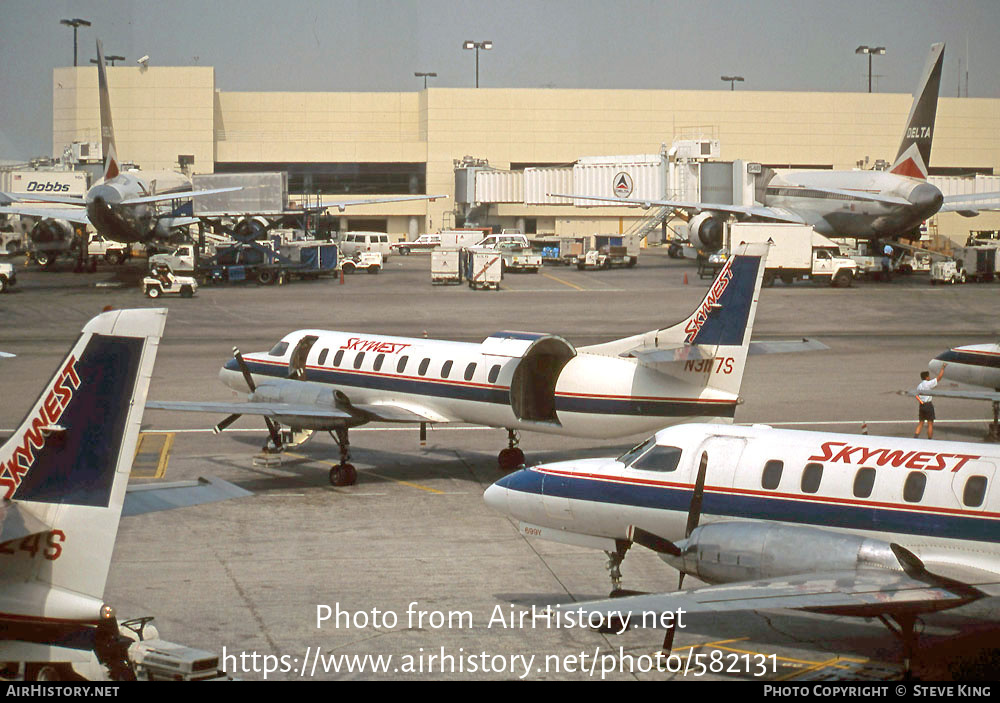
{"type": "Point", "coordinates": [594, 395]}
{"type": "Point", "coordinates": [974, 364]}
{"type": "Point", "coordinates": [934, 497]}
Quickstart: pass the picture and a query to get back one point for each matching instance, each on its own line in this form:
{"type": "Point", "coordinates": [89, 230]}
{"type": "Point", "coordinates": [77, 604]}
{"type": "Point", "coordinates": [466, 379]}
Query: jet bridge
{"type": "Point", "coordinates": [540, 358]}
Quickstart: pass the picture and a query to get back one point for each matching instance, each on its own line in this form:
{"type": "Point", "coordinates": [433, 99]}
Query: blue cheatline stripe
{"type": "Point", "coordinates": [499, 396]}
{"type": "Point", "coordinates": [778, 509]}
{"type": "Point", "coordinates": [954, 356]}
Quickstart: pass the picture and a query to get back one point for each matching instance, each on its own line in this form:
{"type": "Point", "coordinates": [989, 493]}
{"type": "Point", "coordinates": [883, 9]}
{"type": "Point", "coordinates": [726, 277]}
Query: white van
{"type": "Point", "coordinates": [352, 243]}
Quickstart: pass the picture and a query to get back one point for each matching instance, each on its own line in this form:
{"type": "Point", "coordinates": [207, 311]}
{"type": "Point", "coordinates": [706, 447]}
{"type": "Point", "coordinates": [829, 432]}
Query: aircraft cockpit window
{"type": "Point", "coordinates": [422, 369]}
{"type": "Point", "coordinates": [913, 489]}
{"type": "Point", "coordinates": [811, 478]}
{"type": "Point", "coordinates": [864, 482]}
{"type": "Point", "coordinates": [659, 458]}
{"type": "Point", "coordinates": [338, 357]}
{"type": "Point", "coordinates": [637, 451]}
{"type": "Point", "coordinates": [772, 474]}
{"type": "Point", "coordinates": [377, 366]}
{"type": "Point", "coordinates": [322, 356]}
{"type": "Point", "coordinates": [446, 369]}
{"type": "Point", "coordinates": [975, 491]}
{"type": "Point", "coordinates": [470, 370]}
{"type": "Point", "coordinates": [279, 349]}
{"type": "Point", "coordinates": [359, 359]}
{"type": "Point", "coordinates": [401, 364]}
{"type": "Point", "coordinates": [494, 374]}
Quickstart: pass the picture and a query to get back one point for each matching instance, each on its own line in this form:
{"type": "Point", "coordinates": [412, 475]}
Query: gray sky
{"type": "Point", "coordinates": [331, 45]}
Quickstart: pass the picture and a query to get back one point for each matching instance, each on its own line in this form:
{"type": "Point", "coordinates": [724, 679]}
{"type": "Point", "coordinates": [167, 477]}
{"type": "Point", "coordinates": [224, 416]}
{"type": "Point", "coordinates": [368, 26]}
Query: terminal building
{"type": "Point", "coordinates": [354, 145]}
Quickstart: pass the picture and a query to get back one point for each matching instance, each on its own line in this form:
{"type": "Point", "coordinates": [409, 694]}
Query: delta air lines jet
{"type": "Point", "coordinates": [319, 380]}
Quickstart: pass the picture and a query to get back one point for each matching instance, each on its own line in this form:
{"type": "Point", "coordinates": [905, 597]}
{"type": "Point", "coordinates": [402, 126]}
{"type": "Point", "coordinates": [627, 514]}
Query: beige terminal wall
{"type": "Point", "coordinates": [164, 111]}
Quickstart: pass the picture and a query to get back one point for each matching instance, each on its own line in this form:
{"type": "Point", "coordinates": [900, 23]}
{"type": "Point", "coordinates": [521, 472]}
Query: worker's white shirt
{"type": "Point", "coordinates": [925, 386]}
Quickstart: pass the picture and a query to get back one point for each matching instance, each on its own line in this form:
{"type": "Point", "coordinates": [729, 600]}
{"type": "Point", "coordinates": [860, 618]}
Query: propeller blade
{"type": "Point", "coordinates": [694, 512]}
{"type": "Point", "coordinates": [226, 423]}
{"type": "Point", "coordinates": [243, 367]}
{"type": "Point", "coordinates": [653, 542]}
{"type": "Point", "coordinates": [272, 427]}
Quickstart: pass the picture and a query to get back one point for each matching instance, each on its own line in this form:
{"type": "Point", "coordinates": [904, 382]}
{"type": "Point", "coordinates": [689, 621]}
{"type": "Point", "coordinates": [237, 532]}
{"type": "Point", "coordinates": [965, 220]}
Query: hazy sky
{"type": "Point", "coordinates": [332, 45]}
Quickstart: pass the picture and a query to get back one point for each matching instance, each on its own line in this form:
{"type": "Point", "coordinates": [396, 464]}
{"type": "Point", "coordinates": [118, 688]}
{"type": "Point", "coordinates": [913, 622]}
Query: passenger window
{"type": "Point", "coordinates": [401, 364]}
{"type": "Point", "coordinates": [494, 374]}
{"type": "Point", "coordinates": [322, 356]}
{"type": "Point", "coordinates": [446, 369]}
{"type": "Point", "coordinates": [772, 474]}
{"type": "Point", "coordinates": [864, 482]}
{"type": "Point", "coordinates": [359, 359]}
{"type": "Point", "coordinates": [975, 491]}
{"type": "Point", "coordinates": [659, 458]}
{"type": "Point", "coordinates": [470, 370]}
{"type": "Point", "coordinates": [811, 478]}
{"type": "Point", "coordinates": [338, 357]}
{"type": "Point", "coordinates": [422, 369]}
{"type": "Point", "coordinates": [378, 362]}
{"type": "Point", "coordinates": [279, 349]}
{"type": "Point", "coordinates": [913, 489]}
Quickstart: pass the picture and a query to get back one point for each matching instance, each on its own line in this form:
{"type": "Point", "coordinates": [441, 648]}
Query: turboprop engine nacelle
{"type": "Point", "coordinates": [706, 231]}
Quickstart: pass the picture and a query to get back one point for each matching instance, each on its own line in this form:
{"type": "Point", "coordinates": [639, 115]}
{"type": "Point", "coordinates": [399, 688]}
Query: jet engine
{"type": "Point", "coordinates": [49, 238]}
{"type": "Point", "coordinates": [706, 231]}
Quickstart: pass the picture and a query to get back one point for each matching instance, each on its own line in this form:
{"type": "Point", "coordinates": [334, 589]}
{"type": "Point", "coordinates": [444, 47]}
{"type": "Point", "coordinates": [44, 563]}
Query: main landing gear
{"type": "Point", "coordinates": [511, 458]}
{"type": "Point", "coordinates": [344, 474]}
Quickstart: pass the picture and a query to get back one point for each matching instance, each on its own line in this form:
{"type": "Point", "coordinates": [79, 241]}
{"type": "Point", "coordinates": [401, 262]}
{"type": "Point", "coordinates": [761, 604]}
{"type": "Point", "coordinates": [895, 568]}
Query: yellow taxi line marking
{"type": "Point", "coordinates": [776, 656]}
{"type": "Point", "coordinates": [709, 644]}
{"type": "Point", "coordinates": [832, 663]}
{"type": "Point", "coordinates": [387, 478]}
{"type": "Point", "coordinates": [565, 283]}
{"type": "Point", "coordinates": [164, 452]}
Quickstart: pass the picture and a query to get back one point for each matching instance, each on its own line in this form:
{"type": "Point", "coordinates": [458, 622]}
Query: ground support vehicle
{"type": "Point", "coordinates": [605, 258]}
{"type": "Point", "coordinates": [8, 277]}
{"type": "Point", "coordinates": [797, 252]}
{"type": "Point", "coordinates": [263, 261]}
{"type": "Point", "coordinates": [111, 251]}
{"type": "Point", "coordinates": [370, 261]}
{"type": "Point", "coordinates": [981, 262]}
{"type": "Point", "coordinates": [162, 281]}
{"type": "Point", "coordinates": [947, 271]}
{"type": "Point", "coordinates": [446, 266]}
{"type": "Point", "coordinates": [425, 242]}
{"type": "Point", "coordinates": [483, 268]}
{"type": "Point", "coordinates": [12, 243]}
{"type": "Point", "coordinates": [558, 250]}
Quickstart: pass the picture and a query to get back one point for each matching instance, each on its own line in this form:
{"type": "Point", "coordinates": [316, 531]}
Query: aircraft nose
{"type": "Point", "coordinates": [927, 197]}
{"type": "Point", "coordinates": [496, 497]}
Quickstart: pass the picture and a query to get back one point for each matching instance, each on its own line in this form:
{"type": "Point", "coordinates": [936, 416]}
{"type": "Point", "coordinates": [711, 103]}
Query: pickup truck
{"type": "Point", "coordinates": [514, 249]}
{"type": "Point", "coordinates": [112, 252]}
{"type": "Point", "coordinates": [425, 242]}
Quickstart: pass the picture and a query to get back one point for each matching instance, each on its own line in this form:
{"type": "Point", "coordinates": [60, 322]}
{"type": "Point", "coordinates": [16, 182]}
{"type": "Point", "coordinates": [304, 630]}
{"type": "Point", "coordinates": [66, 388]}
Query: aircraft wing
{"type": "Point", "coordinates": [73, 214]}
{"type": "Point", "coordinates": [179, 195]}
{"type": "Point", "coordinates": [342, 204]}
{"type": "Point", "coordinates": [265, 408]}
{"type": "Point", "coordinates": [387, 412]}
{"type": "Point", "coordinates": [868, 591]}
{"type": "Point", "coordinates": [657, 355]}
{"type": "Point", "coordinates": [770, 213]}
{"type": "Point", "coordinates": [993, 396]}
{"type": "Point", "coordinates": [44, 198]}
{"type": "Point", "coordinates": [149, 498]}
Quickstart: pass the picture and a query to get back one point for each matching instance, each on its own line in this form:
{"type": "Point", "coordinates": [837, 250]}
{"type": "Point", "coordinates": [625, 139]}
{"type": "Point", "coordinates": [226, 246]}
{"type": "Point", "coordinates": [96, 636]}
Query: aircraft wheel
{"type": "Point", "coordinates": [343, 475]}
{"type": "Point", "coordinates": [509, 459]}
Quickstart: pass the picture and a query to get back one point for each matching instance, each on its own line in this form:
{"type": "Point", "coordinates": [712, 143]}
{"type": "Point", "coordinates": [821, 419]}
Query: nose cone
{"type": "Point", "coordinates": [926, 198]}
{"type": "Point", "coordinates": [496, 497]}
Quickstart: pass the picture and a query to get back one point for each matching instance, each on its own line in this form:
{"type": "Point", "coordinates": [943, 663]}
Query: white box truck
{"type": "Point", "coordinates": [797, 252]}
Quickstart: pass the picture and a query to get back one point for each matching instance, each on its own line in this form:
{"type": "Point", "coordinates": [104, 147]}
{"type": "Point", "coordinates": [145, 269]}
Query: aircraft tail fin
{"type": "Point", "coordinates": [914, 155]}
{"type": "Point", "coordinates": [714, 340]}
{"type": "Point", "coordinates": [64, 471]}
{"type": "Point", "coordinates": [107, 128]}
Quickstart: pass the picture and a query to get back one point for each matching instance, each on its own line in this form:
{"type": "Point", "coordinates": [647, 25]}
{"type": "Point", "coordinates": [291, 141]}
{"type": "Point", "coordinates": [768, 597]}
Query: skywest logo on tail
{"type": "Point", "coordinates": [12, 470]}
{"type": "Point", "coordinates": [711, 301]}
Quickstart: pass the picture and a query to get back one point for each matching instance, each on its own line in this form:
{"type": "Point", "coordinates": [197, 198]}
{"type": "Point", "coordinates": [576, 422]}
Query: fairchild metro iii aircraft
{"type": "Point", "coordinates": [861, 204]}
{"type": "Point", "coordinates": [332, 381]}
{"type": "Point", "coordinates": [832, 523]}
{"type": "Point", "coordinates": [63, 476]}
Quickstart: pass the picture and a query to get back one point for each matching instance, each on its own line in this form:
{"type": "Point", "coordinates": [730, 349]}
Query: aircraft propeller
{"type": "Point", "coordinates": [272, 426]}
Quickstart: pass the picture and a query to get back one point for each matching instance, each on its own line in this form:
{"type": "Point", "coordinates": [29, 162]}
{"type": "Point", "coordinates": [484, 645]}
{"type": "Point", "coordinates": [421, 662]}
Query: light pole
{"type": "Point", "coordinates": [111, 58]}
{"type": "Point", "coordinates": [880, 50]}
{"type": "Point", "coordinates": [425, 76]}
{"type": "Point", "coordinates": [485, 45]}
{"type": "Point", "coordinates": [75, 23]}
{"type": "Point", "coordinates": [732, 81]}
